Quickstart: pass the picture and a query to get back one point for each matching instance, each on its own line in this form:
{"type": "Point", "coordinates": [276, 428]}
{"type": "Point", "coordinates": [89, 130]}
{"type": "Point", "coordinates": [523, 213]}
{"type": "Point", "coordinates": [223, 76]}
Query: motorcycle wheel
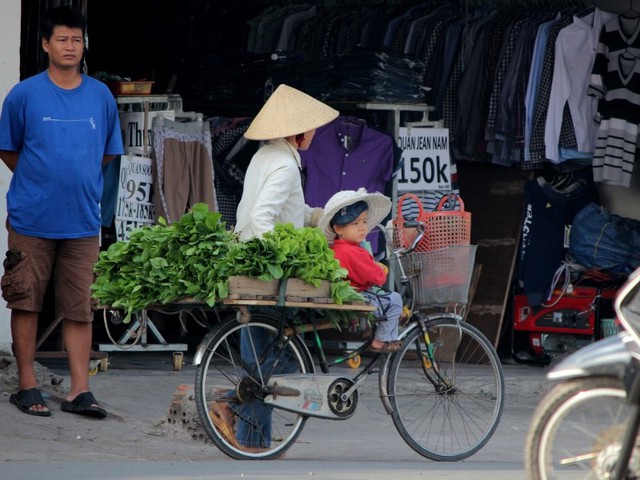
{"type": "Point", "coordinates": [576, 431]}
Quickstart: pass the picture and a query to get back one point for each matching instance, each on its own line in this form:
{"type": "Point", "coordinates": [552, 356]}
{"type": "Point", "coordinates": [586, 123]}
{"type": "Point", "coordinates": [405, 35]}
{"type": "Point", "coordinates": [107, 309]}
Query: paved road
{"type": "Point", "coordinates": [137, 442]}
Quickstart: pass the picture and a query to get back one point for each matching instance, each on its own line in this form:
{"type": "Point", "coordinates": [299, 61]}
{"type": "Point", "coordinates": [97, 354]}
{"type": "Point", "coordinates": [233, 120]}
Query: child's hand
{"type": "Point", "coordinates": [384, 267]}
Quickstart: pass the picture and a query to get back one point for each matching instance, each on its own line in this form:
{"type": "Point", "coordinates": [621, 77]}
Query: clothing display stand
{"type": "Point", "coordinates": [138, 332]}
{"type": "Point", "coordinates": [142, 323]}
{"type": "Point", "coordinates": [396, 109]}
{"type": "Point", "coordinates": [136, 103]}
{"type": "Point", "coordinates": [146, 104]}
{"type": "Point", "coordinates": [393, 124]}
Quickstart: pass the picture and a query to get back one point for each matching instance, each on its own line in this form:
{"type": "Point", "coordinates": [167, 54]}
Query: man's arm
{"type": "Point", "coordinates": [105, 158]}
{"type": "Point", "coordinates": [10, 159]}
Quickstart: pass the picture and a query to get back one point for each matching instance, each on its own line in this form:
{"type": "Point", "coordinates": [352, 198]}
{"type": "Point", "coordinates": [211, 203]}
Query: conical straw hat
{"type": "Point", "coordinates": [289, 112]}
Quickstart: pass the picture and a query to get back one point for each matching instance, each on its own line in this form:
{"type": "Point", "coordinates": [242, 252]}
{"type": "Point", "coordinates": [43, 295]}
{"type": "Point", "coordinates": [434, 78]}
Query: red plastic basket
{"type": "Point", "coordinates": [444, 226]}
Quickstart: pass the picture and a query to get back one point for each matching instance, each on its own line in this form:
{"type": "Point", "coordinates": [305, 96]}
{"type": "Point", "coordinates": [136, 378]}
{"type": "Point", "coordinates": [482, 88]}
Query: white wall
{"type": "Point", "coordinates": [9, 76]}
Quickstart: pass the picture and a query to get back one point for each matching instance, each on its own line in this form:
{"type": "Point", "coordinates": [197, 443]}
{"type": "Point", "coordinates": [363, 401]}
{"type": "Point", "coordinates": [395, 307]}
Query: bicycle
{"type": "Point", "coordinates": [444, 389]}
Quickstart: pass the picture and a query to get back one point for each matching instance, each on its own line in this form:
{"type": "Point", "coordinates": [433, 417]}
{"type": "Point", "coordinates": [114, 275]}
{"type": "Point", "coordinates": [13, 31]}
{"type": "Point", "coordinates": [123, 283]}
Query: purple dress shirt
{"type": "Point", "coordinates": [345, 155]}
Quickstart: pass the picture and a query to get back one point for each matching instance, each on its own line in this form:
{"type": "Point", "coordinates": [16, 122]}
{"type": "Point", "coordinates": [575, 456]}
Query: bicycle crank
{"type": "Point", "coordinates": [313, 395]}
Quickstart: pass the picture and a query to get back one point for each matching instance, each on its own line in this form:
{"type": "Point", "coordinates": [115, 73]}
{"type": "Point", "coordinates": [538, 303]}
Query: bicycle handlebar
{"type": "Point", "coordinates": [420, 228]}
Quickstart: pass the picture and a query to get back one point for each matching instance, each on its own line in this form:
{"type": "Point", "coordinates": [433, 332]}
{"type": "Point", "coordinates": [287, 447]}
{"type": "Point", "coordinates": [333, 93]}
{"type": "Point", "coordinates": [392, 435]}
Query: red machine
{"type": "Point", "coordinates": [565, 323]}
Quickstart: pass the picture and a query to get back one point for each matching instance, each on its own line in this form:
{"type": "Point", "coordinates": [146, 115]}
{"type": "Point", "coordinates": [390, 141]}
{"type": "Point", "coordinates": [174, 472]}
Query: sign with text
{"type": "Point", "coordinates": [133, 129]}
{"type": "Point", "coordinates": [426, 163]}
{"type": "Point", "coordinates": [135, 196]}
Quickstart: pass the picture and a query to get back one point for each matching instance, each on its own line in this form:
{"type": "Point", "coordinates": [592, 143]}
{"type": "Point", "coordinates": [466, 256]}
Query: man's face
{"type": "Point", "coordinates": [65, 47]}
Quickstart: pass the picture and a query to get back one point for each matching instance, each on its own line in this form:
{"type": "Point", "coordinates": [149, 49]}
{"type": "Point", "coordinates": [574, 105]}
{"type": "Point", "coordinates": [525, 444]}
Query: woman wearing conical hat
{"type": "Point", "coordinates": [272, 194]}
{"type": "Point", "coordinates": [272, 191]}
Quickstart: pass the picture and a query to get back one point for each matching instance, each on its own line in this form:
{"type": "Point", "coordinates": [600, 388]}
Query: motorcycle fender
{"type": "Point", "coordinates": [608, 357]}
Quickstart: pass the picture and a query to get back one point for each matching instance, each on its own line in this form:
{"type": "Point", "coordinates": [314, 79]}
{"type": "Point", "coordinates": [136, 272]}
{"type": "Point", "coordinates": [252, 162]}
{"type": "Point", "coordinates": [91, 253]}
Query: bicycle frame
{"type": "Point", "coordinates": [433, 367]}
{"type": "Point", "coordinates": [325, 364]}
{"type": "Point", "coordinates": [420, 321]}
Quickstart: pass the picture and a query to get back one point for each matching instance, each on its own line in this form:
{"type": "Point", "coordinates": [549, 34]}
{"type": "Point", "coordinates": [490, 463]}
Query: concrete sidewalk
{"type": "Point", "coordinates": [137, 391]}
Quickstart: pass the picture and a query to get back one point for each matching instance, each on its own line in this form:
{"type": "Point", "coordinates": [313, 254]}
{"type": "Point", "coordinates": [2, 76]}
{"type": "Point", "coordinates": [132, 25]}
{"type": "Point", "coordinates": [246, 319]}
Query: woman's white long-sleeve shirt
{"type": "Point", "coordinates": [272, 191]}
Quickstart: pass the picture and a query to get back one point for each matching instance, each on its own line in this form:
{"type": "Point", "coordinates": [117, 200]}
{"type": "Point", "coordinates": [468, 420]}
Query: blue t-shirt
{"type": "Point", "coordinates": [61, 137]}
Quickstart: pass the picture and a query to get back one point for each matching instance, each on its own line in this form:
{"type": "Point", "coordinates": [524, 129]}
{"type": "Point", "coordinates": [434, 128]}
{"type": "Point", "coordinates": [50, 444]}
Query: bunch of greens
{"type": "Point", "coordinates": [289, 252]}
{"type": "Point", "coordinates": [163, 263]}
{"type": "Point", "coordinates": [195, 256]}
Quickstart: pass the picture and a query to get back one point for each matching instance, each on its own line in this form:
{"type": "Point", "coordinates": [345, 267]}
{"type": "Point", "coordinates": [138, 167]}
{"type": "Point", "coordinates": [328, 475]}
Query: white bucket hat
{"type": "Point", "coordinates": [289, 112]}
{"type": "Point", "coordinates": [379, 208]}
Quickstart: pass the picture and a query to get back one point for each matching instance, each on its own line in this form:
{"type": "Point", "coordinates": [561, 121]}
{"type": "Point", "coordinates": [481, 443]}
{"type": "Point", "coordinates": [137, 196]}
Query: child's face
{"type": "Point", "coordinates": [354, 232]}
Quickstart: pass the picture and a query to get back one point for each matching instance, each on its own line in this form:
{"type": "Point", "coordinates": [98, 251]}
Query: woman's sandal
{"type": "Point", "coordinates": [222, 417]}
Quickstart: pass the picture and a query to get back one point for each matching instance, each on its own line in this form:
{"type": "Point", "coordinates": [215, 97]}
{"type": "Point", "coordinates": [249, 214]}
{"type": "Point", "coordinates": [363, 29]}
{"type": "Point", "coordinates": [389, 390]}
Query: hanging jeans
{"type": "Point", "coordinates": [183, 167]}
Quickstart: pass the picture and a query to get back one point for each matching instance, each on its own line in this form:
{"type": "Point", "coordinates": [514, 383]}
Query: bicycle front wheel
{"type": "Point", "coordinates": [231, 382]}
{"type": "Point", "coordinates": [577, 431]}
{"type": "Point", "coordinates": [446, 389]}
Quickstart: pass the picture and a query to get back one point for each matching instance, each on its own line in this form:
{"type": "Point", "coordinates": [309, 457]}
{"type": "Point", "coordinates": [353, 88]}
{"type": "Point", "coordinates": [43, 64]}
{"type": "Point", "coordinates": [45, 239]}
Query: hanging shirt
{"type": "Point", "coordinates": [575, 52]}
{"type": "Point", "coordinates": [535, 72]}
{"type": "Point", "coordinates": [539, 119]}
{"type": "Point", "coordinates": [346, 155]}
{"type": "Point", "coordinates": [290, 27]}
{"type": "Point", "coordinates": [615, 81]}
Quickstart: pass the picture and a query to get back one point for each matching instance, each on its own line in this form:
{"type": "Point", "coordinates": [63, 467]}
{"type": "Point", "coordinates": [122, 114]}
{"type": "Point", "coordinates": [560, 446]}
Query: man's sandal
{"type": "Point", "coordinates": [84, 404]}
{"type": "Point", "coordinates": [26, 400]}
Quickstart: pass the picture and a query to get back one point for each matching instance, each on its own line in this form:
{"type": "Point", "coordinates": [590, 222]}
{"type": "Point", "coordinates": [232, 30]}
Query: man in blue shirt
{"type": "Point", "coordinates": [57, 129]}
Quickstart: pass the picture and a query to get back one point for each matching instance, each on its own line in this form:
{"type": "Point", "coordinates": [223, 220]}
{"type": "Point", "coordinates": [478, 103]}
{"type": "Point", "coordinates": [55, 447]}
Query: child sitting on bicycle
{"type": "Point", "coordinates": [348, 217]}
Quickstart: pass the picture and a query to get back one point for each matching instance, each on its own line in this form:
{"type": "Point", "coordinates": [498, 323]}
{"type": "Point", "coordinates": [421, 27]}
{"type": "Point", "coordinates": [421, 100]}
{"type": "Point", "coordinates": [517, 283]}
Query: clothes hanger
{"type": "Point", "coordinates": [352, 121]}
{"type": "Point", "coordinates": [627, 55]}
{"type": "Point", "coordinates": [586, 11]}
{"type": "Point", "coordinates": [631, 13]}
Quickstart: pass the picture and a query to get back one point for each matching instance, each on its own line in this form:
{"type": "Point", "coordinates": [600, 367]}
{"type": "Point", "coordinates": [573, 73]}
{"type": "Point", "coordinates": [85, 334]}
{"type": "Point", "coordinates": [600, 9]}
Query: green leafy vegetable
{"type": "Point", "coordinates": [195, 256]}
{"type": "Point", "coordinates": [163, 263]}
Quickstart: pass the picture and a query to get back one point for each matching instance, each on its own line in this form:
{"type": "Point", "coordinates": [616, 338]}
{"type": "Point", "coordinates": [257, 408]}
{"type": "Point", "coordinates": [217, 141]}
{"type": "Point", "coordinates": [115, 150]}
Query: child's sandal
{"type": "Point", "coordinates": [387, 347]}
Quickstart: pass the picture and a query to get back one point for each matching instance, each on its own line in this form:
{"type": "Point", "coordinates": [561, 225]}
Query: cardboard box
{"type": "Point", "coordinates": [130, 88]}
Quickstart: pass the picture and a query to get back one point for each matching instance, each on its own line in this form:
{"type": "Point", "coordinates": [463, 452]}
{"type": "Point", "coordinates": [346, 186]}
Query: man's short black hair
{"type": "Point", "coordinates": [65, 17]}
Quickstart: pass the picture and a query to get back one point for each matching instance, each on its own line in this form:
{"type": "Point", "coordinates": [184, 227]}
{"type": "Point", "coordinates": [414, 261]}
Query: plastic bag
{"type": "Point", "coordinates": [605, 241]}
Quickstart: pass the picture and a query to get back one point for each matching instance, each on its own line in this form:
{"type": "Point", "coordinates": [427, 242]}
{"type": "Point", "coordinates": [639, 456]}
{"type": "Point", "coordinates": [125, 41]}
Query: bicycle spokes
{"type": "Point", "coordinates": [428, 354]}
{"type": "Point", "coordinates": [446, 390]}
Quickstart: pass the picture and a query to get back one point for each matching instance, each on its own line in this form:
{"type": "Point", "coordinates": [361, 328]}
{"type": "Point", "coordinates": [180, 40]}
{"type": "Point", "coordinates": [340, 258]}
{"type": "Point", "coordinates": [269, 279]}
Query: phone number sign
{"type": "Point", "coordinates": [425, 163]}
{"type": "Point", "coordinates": [135, 196]}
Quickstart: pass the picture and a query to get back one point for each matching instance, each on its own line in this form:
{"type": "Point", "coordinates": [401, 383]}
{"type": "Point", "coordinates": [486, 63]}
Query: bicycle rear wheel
{"type": "Point", "coordinates": [447, 403]}
{"type": "Point", "coordinates": [230, 388]}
